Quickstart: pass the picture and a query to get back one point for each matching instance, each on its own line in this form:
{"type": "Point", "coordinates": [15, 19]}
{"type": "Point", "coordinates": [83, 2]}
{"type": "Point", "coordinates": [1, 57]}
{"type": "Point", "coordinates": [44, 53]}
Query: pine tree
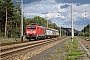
{"type": "Point", "coordinates": [2, 18]}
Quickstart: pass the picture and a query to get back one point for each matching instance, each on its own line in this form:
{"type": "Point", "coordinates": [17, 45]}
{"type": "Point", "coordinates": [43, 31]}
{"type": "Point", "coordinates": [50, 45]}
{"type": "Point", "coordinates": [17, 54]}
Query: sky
{"type": "Point", "coordinates": [59, 11]}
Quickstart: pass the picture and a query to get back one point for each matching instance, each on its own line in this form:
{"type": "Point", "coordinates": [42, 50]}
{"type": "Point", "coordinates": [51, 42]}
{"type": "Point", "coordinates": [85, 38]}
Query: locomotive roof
{"type": "Point", "coordinates": [34, 24]}
{"type": "Point", "coordinates": [51, 29]}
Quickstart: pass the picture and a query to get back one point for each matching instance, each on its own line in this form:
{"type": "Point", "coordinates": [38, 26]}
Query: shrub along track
{"type": "Point", "coordinates": [21, 50]}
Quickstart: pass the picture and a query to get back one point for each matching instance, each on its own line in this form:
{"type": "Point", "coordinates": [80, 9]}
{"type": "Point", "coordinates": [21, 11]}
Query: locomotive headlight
{"type": "Point", "coordinates": [34, 32]}
{"type": "Point", "coordinates": [27, 32]}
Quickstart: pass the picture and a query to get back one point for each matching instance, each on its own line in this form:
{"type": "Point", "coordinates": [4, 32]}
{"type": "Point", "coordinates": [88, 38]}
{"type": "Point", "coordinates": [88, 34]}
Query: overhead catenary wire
{"type": "Point", "coordinates": [45, 7]}
{"type": "Point", "coordinates": [41, 11]}
{"type": "Point", "coordinates": [36, 5]}
{"type": "Point", "coordinates": [40, 8]}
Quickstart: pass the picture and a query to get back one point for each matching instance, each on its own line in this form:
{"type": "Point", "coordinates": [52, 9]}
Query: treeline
{"type": "Point", "coordinates": [10, 20]}
{"type": "Point", "coordinates": [86, 31]}
{"type": "Point", "coordinates": [41, 22]}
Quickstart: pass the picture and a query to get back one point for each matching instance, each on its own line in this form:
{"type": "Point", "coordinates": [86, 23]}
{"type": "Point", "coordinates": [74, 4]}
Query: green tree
{"type": "Point", "coordinates": [2, 19]}
{"type": "Point", "coordinates": [8, 10]}
{"type": "Point", "coordinates": [85, 31]}
{"type": "Point", "coordinates": [38, 20]}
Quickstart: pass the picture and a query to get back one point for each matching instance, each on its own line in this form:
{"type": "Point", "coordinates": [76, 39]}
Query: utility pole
{"type": "Point", "coordinates": [6, 24]}
{"type": "Point", "coordinates": [21, 20]}
{"type": "Point", "coordinates": [89, 29]}
{"type": "Point", "coordinates": [47, 23]}
{"type": "Point", "coordinates": [46, 20]}
{"type": "Point", "coordinates": [21, 27]}
{"type": "Point", "coordinates": [60, 31]}
{"type": "Point", "coordinates": [72, 22]}
{"type": "Point", "coordinates": [88, 24]}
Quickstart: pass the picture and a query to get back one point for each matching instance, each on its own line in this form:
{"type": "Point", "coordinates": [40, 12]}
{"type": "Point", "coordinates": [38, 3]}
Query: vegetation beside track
{"type": "Point", "coordinates": [8, 40]}
{"type": "Point", "coordinates": [69, 51]}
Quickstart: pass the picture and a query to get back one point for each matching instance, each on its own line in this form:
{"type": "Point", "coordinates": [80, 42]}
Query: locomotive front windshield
{"type": "Point", "coordinates": [31, 27]}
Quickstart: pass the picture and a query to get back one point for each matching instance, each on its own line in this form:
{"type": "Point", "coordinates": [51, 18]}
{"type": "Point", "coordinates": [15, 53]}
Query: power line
{"type": "Point", "coordinates": [36, 5]}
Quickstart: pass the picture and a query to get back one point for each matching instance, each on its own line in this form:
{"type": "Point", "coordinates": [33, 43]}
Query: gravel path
{"type": "Point", "coordinates": [47, 53]}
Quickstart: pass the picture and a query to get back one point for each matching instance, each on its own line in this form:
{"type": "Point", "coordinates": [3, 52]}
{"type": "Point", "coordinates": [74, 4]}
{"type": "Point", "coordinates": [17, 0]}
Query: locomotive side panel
{"type": "Point", "coordinates": [42, 32]}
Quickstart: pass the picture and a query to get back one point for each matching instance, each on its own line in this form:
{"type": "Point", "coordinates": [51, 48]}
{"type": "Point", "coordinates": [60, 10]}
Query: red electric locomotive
{"type": "Point", "coordinates": [35, 31]}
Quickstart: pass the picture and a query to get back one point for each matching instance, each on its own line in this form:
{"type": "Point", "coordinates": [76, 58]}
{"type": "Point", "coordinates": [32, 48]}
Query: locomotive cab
{"type": "Point", "coordinates": [30, 31]}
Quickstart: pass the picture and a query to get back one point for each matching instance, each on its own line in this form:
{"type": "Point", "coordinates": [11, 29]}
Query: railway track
{"type": "Point", "coordinates": [12, 49]}
{"type": "Point", "coordinates": [85, 45]}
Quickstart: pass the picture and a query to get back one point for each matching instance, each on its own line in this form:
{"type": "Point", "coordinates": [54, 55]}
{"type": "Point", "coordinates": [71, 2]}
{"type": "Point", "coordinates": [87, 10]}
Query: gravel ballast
{"type": "Point", "coordinates": [45, 55]}
{"type": "Point", "coordinates": [51, 53]}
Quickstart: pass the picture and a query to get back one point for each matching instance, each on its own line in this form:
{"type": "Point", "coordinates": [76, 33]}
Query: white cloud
{"type": "Point", "coordinates": [54, 11]}
{"type": "Point", "coordinates": [52, 16]}
{"type": "Point", "coordinates": [80, 11]}
{"type": "Point", "coordinates": [48, 1]}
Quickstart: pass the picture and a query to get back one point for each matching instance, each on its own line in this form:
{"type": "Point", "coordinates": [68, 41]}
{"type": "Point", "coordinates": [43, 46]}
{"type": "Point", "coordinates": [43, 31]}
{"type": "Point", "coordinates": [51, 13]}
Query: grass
{"type": "Point", "coordinates": [69, 51]}
{"type": "Point", "coordinates": [74, 54]}
{"type": "Point", "coordinates": [7, 40]}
